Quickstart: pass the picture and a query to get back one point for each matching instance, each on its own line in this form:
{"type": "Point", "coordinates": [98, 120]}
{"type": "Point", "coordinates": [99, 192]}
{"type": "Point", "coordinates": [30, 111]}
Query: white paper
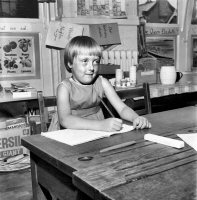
{"type": "Point", "coordinates": [73, 137]}
{"type": "Point", "coordinates": [190, 139]}
{"type": "Point", "coordinates": [59, 33]}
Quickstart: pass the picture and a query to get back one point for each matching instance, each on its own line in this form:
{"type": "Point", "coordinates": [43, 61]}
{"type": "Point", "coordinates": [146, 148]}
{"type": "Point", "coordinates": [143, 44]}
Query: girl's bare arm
{"type": "Point", "coordinates": [67, 120]}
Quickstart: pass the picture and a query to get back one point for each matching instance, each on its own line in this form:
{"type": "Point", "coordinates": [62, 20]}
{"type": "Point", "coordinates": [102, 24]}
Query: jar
{"type": "Point", "coordinates": [132, 75]}
{"type": "Point", "coordinates": [168, 75]}
{"type": "Point", "coordinates": [119, 77]}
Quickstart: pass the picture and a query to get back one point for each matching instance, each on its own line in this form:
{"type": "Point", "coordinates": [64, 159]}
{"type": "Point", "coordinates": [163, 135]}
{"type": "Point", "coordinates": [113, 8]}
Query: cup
{"type": "Point", "coordinates": [168, 75]}
{"type": "Point", "coordinates": [179, 75]}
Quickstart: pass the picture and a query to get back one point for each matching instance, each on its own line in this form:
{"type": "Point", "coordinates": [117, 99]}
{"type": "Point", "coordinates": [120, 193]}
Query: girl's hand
{"type": "Point", "coordinates": [112, 124]}
{"type": "Point", "coordinates": [141, 122]}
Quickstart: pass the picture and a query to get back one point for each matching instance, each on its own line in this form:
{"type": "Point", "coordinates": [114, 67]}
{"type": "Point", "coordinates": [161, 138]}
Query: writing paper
{"type": "Point", "coordinates": [73, 137]}
{"type": "Point", "coordinates": [105, 34]}
{"type": "Point", "coordinates": [59, 33]}
{"type": "Point", "coordinates": [190, 139]}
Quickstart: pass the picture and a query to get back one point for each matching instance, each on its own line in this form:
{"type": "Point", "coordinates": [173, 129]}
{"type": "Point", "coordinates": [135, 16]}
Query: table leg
{"type": "Point", "coordinates": [37, 193]}
{"type": "Point", "coordinates": [48, 182]}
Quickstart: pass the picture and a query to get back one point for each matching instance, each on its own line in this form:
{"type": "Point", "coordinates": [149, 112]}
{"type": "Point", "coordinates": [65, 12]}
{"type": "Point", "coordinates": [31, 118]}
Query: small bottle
{"type": "Point", "coordinates": [119, 76]}
{"type": "Point", "coordinates": [132, 75]}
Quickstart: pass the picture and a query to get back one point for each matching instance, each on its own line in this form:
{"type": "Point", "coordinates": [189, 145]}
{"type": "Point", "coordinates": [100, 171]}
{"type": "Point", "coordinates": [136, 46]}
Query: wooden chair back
{"type": "Point", "coordinates": [108, 70]}
{"type": "Point", "coordinates": [137, 98]}
{"type": "Point", "coordinates": [142, 106]}
{"type": "Point", "coordinates": [44, 103]}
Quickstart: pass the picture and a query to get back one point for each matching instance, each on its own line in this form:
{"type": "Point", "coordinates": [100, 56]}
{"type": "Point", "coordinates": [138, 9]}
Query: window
{"type": "Point", "coordinates": [160, 41]}
{"type": "Point", "coordinates": [19, 9]}
{"type": "Point", "coordinates": [163, 48]}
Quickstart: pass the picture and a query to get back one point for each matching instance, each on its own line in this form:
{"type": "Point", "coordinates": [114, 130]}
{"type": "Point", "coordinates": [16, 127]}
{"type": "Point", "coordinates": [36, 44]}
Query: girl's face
{"type": "Point", "coordinates": [85, 68]}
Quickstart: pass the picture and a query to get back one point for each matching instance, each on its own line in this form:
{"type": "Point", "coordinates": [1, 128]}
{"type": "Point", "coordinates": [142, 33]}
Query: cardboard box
{"type": "Point", "coordinates": [147, 70]}
{"type": "Point", "coordinates": [10, 141]}
{"type": "Point", "coordinates": [149, 76]}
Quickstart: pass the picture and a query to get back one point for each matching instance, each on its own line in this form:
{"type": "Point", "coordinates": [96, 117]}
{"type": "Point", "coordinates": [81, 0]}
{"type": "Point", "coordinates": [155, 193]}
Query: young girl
{"type": "Point", "coordinates": [79, 97]}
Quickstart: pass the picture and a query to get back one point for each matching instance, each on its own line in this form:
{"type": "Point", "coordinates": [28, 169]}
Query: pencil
{"type": "Point", "coordinates": [118, 146]}
{"type": "Point", "coordinates": [104, 104]}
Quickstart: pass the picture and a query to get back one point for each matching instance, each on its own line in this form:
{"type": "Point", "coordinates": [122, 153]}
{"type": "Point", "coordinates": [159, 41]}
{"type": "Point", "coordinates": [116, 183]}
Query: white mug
{"type": "Point", "coordinates": [168, 75]}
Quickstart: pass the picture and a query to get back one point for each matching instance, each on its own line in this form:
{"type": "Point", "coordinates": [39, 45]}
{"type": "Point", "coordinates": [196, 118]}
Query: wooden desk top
{"type": "Point", "coordinates": [143, 171]}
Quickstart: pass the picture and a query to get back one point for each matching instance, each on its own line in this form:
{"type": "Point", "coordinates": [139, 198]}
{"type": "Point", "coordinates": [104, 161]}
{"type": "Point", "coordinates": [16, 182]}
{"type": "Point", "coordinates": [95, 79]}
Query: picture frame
{"type": "Point", "coordinates": [19, 56]}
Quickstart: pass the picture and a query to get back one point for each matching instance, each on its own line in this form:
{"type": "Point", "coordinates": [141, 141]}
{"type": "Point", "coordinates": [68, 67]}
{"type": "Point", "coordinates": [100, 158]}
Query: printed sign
{"type": "Point", "coordinates": [10, 141]}
{"type": "Point", "coordinates": [59, 33]}
{"type": "Point", "coordinates": [17, 55]}
{"type": "Point", "coordinates": [162, 31]}
{"type": "Point", "coordinates": [105, 34]}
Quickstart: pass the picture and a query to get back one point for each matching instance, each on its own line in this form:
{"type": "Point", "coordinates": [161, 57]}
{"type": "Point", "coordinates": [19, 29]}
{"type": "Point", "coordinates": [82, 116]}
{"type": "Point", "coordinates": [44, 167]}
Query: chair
{"type": "Point", "coordinates": [108, 70]}
{"type": "Point", "coordinates": [136, 98]}
{"type": "Point", "coordinates": [44, 103]}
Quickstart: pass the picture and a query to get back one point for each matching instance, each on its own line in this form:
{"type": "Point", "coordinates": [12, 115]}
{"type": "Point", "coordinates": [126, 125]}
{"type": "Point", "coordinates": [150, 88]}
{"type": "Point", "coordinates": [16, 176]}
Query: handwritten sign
{"type": "Point", "coordinates": [59, 33]}
{"type": "Point", "coordinates": [15, 27]}
{"type": "Point", "coordinates": [162, 31]}
{"type": "Point", "coordinates": [105, 34]}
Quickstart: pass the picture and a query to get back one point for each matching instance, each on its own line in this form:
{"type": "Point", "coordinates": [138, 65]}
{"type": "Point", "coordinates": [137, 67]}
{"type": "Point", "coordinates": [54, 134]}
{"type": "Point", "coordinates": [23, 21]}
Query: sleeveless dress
{"type": "Point", "coordinates": [85, 99]}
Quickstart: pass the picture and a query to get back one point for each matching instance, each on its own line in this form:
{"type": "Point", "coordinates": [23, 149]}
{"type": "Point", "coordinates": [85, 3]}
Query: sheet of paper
{"type": "Point", "coordinates": [105, 34]}
{"type": "Point", "coordinates": [190, 139]}
{"type": "Point", "coordinates": [73, 137]}
{"type": "Point", "coordinates": [59, 33]}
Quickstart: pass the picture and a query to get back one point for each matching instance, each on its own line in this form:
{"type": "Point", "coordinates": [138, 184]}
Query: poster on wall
{"type": "Point", "coordinates": [59, 33]}
{"type": "Point", "coordinates": [19, 56]}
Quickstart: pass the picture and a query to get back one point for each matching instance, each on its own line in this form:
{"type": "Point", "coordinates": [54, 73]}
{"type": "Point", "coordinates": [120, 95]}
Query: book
{"type": "Point", "coordinates": [74, 137]}
{"type": "Point", "coordinates": [21, 92]}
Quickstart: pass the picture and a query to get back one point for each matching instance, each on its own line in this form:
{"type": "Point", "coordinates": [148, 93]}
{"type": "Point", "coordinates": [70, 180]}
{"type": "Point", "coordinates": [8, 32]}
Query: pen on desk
{"type": "Point", "coordinates": [118, 146]}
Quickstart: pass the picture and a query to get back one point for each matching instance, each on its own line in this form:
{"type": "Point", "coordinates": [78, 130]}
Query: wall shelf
{"type": "Point", "coordinates": [100, 20]}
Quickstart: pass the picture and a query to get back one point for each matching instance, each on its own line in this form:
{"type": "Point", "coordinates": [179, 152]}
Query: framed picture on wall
{"type": "Point", "coordinates": [163, 49]}
{"type": "Point", "coordinates": [19, 56]}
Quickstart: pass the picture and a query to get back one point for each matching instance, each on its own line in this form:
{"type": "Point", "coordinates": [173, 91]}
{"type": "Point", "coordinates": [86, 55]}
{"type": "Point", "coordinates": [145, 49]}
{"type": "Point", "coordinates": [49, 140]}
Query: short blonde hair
{"type": "Point", "coordinates": [79, 45]}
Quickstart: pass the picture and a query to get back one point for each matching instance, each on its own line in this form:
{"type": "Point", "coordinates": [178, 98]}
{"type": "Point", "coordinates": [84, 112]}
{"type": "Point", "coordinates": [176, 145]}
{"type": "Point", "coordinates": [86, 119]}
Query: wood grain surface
{"type": "Point", "coordinates": [144, 171]}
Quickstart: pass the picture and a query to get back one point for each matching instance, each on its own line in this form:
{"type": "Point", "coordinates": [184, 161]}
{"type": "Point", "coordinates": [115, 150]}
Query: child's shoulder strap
{"type": "Point", "coordinates": [66, 83]}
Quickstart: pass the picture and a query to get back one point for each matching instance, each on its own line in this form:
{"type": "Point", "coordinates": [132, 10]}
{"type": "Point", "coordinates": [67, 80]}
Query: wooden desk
{"type": "Point", "coordinates": [143, 171]}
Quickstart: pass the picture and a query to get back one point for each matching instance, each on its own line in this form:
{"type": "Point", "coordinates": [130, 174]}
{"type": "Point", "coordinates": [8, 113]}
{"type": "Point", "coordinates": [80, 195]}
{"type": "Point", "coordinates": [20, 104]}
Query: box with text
{"type": "Point", "coordinates": [10, 141]}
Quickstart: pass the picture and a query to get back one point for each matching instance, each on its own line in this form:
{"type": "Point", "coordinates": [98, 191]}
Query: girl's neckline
{"type": "Point", "coordinates": [73, 80]}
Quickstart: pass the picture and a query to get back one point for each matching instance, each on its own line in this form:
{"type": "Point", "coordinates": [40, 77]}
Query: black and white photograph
{"type": "Point", "coordinates": [98, 99]}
